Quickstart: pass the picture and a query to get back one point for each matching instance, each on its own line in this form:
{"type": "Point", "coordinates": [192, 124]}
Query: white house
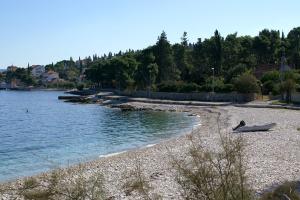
{"type": "Point", "coordinates": [3, 85]}
{"type": "Point", "coordinates": [37, 70]}
{"type": "Point", "coordinates": [50, 76]}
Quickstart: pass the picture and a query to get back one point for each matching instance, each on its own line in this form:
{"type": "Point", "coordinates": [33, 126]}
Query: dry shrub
{"type": "Point", "coordinates": [213, 175]}
{"type": "Point", "coordinates": [63, 184]}
{"type": "Point", "coordinates": [286, 191]}
{"type": "Point", "coordinates": [136, 181]}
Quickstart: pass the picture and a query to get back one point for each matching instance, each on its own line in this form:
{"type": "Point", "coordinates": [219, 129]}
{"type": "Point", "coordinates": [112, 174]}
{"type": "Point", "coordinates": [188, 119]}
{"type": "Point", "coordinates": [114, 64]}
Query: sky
{"type": "Point", "coordinates": [46, 31]}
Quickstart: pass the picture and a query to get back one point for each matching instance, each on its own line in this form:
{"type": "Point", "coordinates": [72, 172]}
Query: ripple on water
{"type": "Point", "coordinates": [54, 133]}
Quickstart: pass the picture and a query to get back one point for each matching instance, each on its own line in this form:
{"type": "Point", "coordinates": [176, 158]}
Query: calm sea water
{"type": "Point", "coordinates": [54, 133]}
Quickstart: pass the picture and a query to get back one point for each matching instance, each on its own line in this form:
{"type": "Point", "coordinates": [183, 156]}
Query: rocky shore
{"type": "Point", "coordinates": [271, 157]}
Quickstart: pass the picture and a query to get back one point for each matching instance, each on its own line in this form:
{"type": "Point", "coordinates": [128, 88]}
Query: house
{"type": "Point", "coordinates": [11, 68]}
{"type": "Point", "coordinates": [50, 76]}
{"type": "Point", "coordinates": [3, 85]}
{"type": "Point", "coordinates": [37, 70]}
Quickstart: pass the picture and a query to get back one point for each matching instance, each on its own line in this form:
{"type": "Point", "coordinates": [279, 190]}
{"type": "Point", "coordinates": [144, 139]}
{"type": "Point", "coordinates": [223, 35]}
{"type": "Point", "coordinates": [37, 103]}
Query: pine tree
{"type": "Point", "coordinates": [217, 52]}
{"type": "Point", "coordinates": [28, 69]}
{"type": "Point", "coordinates": [184, 40]}
{"type": "Point", "coordinates": [164, 59]}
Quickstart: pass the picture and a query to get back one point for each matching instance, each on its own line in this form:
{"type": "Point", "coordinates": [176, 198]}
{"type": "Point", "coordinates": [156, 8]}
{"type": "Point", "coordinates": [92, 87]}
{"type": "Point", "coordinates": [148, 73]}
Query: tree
{"type": "Point", "coordinates": [88, 61]}
{"type": "Point", "coordinates": [273, 76]}
{"type": "Point", "coordinates": [80, 64]}
{"type": "Point", "coordinates": [124, 68]}
{"type": "Point", "coordinates": [28, 70]}
{"type": "Point", "coordinates": [231, 50]}
{"type": "Point", "coordinates": [287, 87]}
{"type": "Point", "coordinates": [199, 62]}
{"type": "Point", "coordinates": [147, 70]}
{"type": "Point", "coordinates": [293, 40]}
{"type": "Point", "coordinates": [182, 57]}
{"type": "Point", "coordinates": [1, 77]}
{"type": "Point", "coordinates": [164, 59]}
{"type": "Point", "coordinates": [191, 63]}
{"type": "Point", "coordinates": [234, 72]}
{"type": "Point", "coordinates": [217, 52]}
{"type": "Point", "coordinates": [267, 46]}
{"type": "Point", "coordinates": [22, 75]}
{"type": "Point", "coordinates": [152, 71]}
{"type": "Point", "coordinates": [184, 40]}
{"type": "Point", "coordinates": [246, 83]}
{"type": "Point", "coordinates": [271, 82]}
{"type": "Point", "coordinates": [100, 74]}
{"type": "Point", "coordinates": [95, 57]}
{"type": "Point", "coordinates": [246, 54]}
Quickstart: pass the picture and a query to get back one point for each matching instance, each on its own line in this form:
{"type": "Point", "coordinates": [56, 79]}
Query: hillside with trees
{"type": "Point", "coordinates": [219, 63]}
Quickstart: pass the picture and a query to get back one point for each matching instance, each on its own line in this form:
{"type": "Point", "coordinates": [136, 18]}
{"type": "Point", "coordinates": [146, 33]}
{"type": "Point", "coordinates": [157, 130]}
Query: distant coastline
{"type": "Point", "coordinates": [34, 89]}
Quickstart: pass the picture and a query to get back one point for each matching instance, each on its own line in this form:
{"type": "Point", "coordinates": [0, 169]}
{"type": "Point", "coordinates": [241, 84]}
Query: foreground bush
{"type": "Point", "coordinates": [66, 184]}
{"type": "Point", "coordinates": [137, 183]}
{"type": "Point", "coordinates": [214, 175]}
{"type": "Point", "coordinates": [286, 191]}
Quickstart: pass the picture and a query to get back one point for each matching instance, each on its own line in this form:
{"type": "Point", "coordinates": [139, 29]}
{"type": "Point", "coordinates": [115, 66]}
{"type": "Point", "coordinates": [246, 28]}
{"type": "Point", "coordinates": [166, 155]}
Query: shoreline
{"type": "Point", "coordinates": [130, 153]}
{"type": "Point", "coordinates": [194, 125]}
{"type": "Point", "coordinates": [271, 157]}
{"type": "Point", "coordinates": [37, 89]}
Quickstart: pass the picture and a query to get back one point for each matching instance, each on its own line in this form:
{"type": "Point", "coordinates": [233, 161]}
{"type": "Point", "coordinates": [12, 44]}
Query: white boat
{"type": "Point", "coordinates": [265, 127]}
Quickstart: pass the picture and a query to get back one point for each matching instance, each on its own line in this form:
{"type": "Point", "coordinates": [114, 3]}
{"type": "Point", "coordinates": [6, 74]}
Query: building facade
{"type": "Point", "coordinates": [50, 76]}
{"type": "Point", "coordinates": [37, 70]}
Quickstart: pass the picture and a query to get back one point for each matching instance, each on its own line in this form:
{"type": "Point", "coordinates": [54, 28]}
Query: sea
{"type": "Point", "coordinates": [38, 132]}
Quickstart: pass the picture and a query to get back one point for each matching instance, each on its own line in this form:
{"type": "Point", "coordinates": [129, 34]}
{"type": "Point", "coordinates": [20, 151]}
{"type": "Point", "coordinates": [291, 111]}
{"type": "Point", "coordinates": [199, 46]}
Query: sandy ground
{"type": "Point", "coordinates": [272, 157]}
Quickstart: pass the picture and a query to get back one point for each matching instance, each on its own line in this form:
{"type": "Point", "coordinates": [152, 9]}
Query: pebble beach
{"type": "Point", "coordinates": [271, 157]}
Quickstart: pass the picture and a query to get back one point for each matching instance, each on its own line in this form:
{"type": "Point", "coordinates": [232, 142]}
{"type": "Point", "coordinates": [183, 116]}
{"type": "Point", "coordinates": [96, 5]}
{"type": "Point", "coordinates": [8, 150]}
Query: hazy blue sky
{"type": "Point", "coordinates": [45, 31]}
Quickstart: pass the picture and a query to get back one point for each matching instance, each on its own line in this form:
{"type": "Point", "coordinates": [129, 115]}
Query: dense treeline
{"type": "Point", "coordinates": [190, 66]}
{"type": "Point", "coordinates": [22, 74]}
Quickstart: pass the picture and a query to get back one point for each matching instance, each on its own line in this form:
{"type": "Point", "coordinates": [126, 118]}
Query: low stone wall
{"type": "Point", "coordinates": [274, 97]}
{"type": "Point", "coordinates": [296, 97]}
{"type": "Point", "coordinates": [202, 96]}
